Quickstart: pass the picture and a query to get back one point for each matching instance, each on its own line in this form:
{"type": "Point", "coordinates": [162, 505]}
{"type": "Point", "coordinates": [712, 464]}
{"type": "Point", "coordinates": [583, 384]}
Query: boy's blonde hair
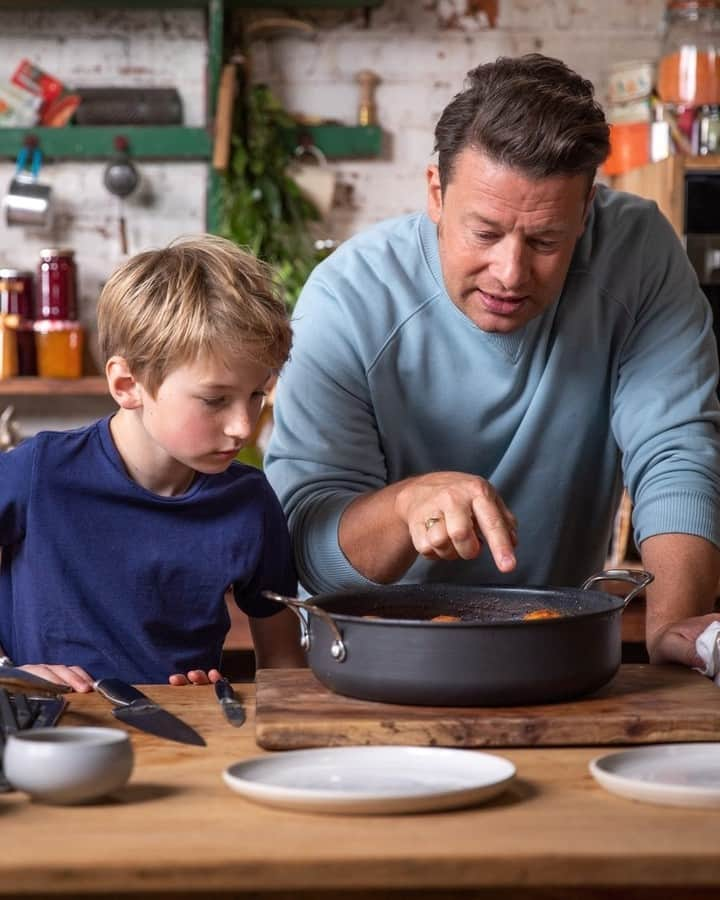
{"type": "Point", "coordinates": [200, 296]}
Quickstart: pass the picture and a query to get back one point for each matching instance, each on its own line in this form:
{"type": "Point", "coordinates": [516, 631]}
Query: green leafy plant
{"type": "Point", "coordinates": [263, 207]}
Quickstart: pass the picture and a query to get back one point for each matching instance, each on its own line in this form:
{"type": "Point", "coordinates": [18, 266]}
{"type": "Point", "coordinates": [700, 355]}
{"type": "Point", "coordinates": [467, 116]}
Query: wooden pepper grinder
{"type": "Point", "coordinates": [367, 111]}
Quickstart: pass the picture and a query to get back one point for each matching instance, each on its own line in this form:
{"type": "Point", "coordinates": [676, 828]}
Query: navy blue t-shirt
{"type": "Point", "coordinates": [101, 573]}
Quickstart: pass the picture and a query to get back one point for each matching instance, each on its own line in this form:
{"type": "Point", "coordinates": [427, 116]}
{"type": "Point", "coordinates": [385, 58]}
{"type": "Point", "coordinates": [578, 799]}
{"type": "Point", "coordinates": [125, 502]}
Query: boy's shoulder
{"type": "Point", "coordinates": [239, 490]}
{"type": "Point", "coordinates": [56, 442]}
{"type": "Point", "coordinates": [241, 475]}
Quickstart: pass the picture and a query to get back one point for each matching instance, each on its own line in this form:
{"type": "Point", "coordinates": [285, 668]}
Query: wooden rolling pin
{"type": "Point", "coordinates": [224, 118]}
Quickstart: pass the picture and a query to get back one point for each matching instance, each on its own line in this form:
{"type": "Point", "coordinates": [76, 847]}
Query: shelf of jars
{"type": "Point", "coordinates": [33, 385]}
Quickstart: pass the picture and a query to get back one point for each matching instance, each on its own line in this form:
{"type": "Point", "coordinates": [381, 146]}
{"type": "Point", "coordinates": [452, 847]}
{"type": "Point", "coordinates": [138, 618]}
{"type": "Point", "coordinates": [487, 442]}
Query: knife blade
{"type": "Point", "coordinates": [20, 681]}
{"type": "Point", "coordinates": [24, 713]}
{"type": "Point", "coordinates": [229, 703]}
{"type": "Point", "coordinates": [48, 712]}
{"type": "Point", "coordinates": [7, 714]}
{"type": "Point", "coordinates": [134, 708]}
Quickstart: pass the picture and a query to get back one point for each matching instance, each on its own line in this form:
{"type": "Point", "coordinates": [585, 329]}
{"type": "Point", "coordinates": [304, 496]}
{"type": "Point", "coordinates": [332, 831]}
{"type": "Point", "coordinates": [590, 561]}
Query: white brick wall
{"type": "Point", "coordinates": [421, 62]}
{"type": "Point", "coordinates": [422, 65]}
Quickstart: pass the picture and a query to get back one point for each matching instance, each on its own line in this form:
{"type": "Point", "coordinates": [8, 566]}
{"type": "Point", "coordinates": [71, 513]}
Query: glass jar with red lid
{"type": "Point", "coordinates": [57, 289]}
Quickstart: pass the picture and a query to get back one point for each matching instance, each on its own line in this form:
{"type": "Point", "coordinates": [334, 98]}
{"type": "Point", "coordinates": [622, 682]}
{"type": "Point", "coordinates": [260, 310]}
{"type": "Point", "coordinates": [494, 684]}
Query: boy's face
{"type": "Point", "coordinates": [204, 412]}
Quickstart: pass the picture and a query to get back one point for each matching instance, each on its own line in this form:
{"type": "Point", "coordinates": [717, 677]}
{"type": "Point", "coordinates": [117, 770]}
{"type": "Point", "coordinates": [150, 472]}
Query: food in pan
{"type": "Point", "coordinates": [442, 618]}
{"type": "Point", "coordinates": [541, 614]}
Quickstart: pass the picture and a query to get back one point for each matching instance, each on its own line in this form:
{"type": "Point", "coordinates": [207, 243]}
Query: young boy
{"type": "Point", "coordinates": [120, 540]}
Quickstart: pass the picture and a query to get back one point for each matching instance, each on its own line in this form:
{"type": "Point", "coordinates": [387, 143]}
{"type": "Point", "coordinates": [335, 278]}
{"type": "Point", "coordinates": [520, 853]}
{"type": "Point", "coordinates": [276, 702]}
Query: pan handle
{"type": "Point", "coordinates": [337, 648]}
{"type": "Point", "coordinates": [639, 578]}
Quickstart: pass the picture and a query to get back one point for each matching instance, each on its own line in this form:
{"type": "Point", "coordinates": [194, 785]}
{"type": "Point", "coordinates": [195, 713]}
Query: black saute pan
{"type": "Point", "coordinates": [382, 643]}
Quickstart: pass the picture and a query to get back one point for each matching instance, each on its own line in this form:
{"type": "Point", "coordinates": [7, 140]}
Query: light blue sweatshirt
{"type": "Point", "coordinates": [614, 382]}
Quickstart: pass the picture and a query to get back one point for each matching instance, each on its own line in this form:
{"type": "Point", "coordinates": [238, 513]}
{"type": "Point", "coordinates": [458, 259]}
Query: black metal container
{"type": "Point", "coordinates": [381, 643]}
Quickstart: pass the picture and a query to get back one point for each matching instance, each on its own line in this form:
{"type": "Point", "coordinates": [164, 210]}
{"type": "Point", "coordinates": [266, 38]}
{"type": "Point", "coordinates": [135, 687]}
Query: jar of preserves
{"type": "Point", "coordinates": [59, 348]}
{"type": "Point", "coordinates": [26, 354]}
{"type": "Point", "coordinates": [8, 345]}
{"type": "Point", "coordinates": [16, 293]}
{"type": "Point", "coordinates": [57, 289]}
{"type": "Point", "coordinates": [689, 67]}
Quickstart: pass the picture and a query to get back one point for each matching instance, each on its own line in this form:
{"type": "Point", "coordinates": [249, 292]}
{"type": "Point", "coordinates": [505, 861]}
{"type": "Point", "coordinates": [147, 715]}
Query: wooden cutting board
{"type": "Point", "coordinates": [642, 705]}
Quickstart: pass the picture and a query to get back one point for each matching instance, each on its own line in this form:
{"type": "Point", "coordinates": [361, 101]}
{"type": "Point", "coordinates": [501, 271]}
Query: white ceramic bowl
{"type": "Point", "coordinates": [68, 764]}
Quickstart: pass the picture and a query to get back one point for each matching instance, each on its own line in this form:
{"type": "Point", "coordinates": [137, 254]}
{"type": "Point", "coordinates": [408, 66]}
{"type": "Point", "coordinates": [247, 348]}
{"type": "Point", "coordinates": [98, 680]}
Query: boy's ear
{"type": "Point", "coordinates": [121, 382]}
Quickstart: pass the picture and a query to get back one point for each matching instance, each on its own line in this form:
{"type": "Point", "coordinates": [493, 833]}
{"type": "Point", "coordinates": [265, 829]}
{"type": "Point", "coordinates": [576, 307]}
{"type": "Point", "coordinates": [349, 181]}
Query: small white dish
{"type": "Point", "coordinates": [371, 780]}
{"type": "Point", "coordinates": [68, 764]}
{"type": "Point", "coordinates": [669, 774]}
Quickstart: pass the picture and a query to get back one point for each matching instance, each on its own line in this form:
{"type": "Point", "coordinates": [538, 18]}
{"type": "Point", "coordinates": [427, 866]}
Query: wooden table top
{"type": "Point", "coordinates": [177, 827]}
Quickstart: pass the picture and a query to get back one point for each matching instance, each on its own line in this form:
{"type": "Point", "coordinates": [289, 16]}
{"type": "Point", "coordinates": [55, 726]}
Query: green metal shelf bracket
{"type": "Point", "coordinates": [96, 141]}
{"type": "Point", "coordinates": [338, 141]}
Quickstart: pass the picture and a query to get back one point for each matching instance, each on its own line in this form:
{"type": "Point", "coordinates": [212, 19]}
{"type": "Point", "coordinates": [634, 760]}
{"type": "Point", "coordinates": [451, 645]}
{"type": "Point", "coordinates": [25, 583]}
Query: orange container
{"type": "Point", "coordinates": [59, 348]}
{"type": "Point", "coordinates": [8, 345]}
{"type": "Point", "coordinates": [629, 147]}
{"type": "Point", "coordinates": [689, 68]}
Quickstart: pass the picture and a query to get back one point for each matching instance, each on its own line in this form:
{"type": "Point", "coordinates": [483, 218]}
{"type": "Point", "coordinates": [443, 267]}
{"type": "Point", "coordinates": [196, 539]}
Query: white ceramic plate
{"type": "Point", "coordinates": [672, 774]}
{"type": "Point", "coordinates": [371, 779]}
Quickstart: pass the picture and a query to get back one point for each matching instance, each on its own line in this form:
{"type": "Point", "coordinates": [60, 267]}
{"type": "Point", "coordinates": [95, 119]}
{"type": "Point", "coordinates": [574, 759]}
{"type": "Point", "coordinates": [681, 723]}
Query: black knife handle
{"type": "Point", "coordinates": [223, 690]}
{"type": "Point", "coordinates": [119, 692]}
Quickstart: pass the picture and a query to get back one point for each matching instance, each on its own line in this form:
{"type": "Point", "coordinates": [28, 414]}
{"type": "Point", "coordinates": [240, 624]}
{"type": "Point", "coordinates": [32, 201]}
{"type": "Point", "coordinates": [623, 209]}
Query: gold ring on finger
{"type": "Point", "coordinates": [432, 520]}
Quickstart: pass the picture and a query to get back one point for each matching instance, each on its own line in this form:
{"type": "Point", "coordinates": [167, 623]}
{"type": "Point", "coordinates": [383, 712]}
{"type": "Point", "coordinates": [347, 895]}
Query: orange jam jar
{"type": "Point", "coordinates": [8, 345]}
{"type": "Point", "coordinates": [58, 348]}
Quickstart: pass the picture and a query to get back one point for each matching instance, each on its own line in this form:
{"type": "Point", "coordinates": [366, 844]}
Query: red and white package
{"type": "Point", "coordinates": [33, 79]}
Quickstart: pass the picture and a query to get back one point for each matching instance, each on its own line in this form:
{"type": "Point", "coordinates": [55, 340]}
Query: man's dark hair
{"type": "Point", "coordinates": [531, 113]}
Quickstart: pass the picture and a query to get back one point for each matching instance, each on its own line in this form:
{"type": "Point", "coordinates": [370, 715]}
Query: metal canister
{"type": "Point", "coordinates": [16, 293]}
{"type": "Point", "coordinates": [57, 285]}
{"type": "Point", "coordinates": [709, 130]}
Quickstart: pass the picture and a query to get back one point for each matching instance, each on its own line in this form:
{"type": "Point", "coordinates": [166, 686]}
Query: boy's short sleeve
{"type": "Point", "coordinates": [275, 570]}
{"type": "Point", "coordinates": [15, 485]}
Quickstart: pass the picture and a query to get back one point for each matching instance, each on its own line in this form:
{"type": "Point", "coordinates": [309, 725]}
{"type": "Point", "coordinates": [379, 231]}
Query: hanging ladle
{"type": "Point", "coordinates": [121, 178]}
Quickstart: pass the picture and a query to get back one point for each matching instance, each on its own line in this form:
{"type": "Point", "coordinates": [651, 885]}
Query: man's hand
{"type": "Point", "coordinates": [441, 515]}
{"type": "Point", "coordinates": [196, 676]}
{"type": "Point", "coordinates": [450, 515]}
{"type": "Point", "coordinates": [75, 677]}
{"type": "Point", "coordinates": [676, 642]}
{"type": "Point", "coordinates": [680, 600]}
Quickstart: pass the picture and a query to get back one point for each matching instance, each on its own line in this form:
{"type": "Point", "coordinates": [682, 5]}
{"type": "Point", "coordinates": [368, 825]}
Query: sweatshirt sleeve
{"type": "Point", "coordinates": [666, 417]}
{"type": "Point", "coordinates": [15, 483]}
{"type": "Point", "coordinates": [325, 449]}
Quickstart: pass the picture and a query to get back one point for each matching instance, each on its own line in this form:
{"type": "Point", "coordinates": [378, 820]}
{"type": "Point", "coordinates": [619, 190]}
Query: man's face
{"type": "Point", "coordinates": [505, 240]}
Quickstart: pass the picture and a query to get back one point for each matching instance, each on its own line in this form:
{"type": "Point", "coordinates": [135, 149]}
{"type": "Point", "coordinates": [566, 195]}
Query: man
{"type": "Point", "coordinates": [530, 344]}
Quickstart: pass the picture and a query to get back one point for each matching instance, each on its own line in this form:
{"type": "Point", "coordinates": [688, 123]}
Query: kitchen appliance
{"type": "Point", "coordinates": [382, 643]}
{"type": "Point", "coordinates": [135, 708]}
{"type": "Point", "coordinates": [702, 234]}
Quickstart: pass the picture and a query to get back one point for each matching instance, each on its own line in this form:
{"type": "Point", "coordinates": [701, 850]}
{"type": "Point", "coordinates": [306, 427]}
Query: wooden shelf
{"type": "Point", "coordinates": [186, 4]}
{"type": "Point", "coordinates": [89, 386]}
